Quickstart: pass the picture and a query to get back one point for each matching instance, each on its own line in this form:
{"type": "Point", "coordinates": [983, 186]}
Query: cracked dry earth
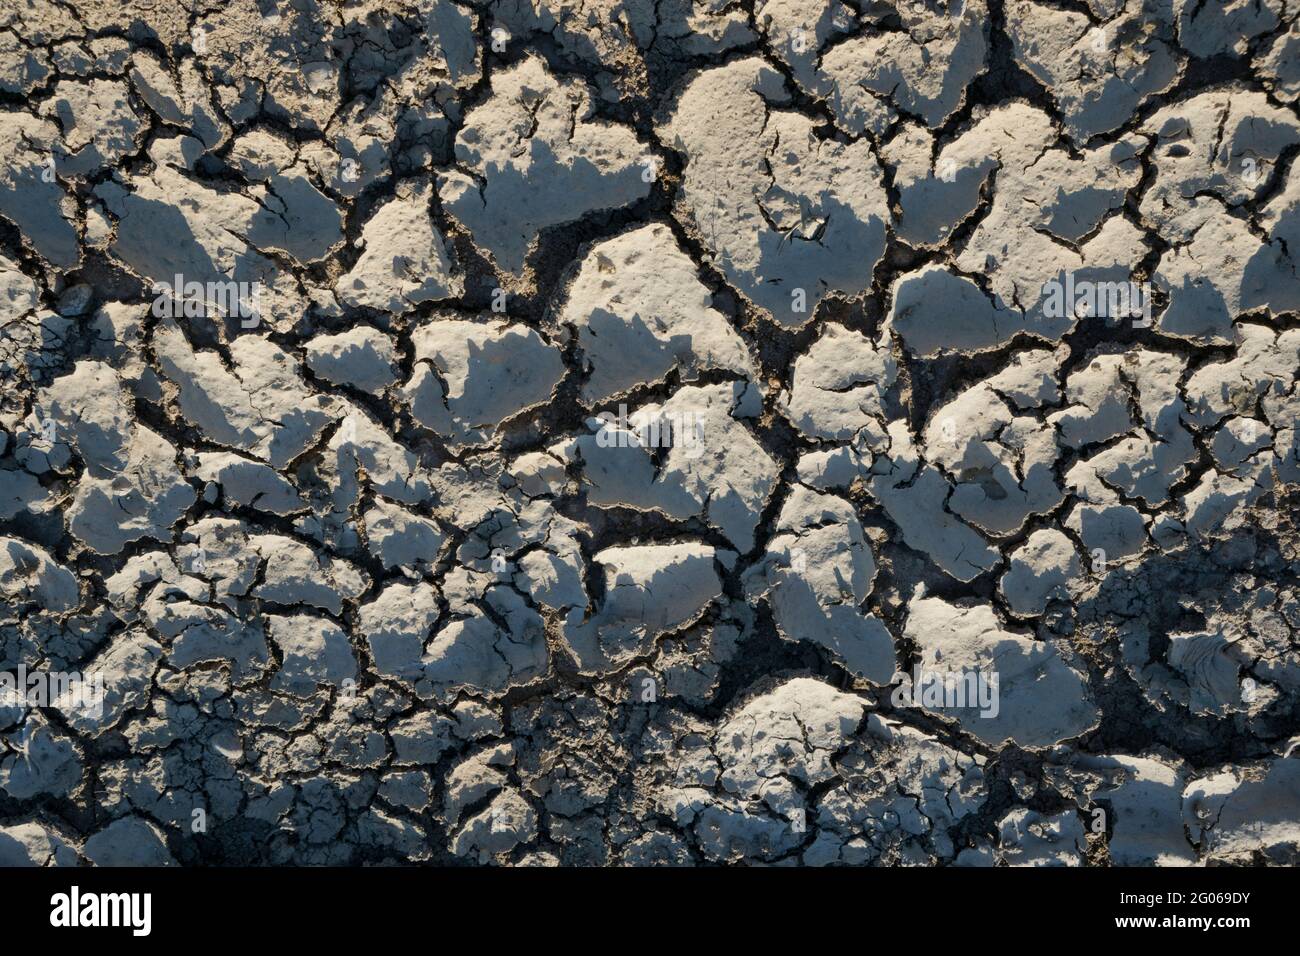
{"type": "Point", "coordinates": [393, 568]}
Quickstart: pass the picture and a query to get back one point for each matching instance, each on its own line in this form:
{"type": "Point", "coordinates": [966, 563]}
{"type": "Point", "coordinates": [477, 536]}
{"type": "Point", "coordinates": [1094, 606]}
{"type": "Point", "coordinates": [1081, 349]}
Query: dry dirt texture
{"type": "Point", "coordinates": [553, 432]}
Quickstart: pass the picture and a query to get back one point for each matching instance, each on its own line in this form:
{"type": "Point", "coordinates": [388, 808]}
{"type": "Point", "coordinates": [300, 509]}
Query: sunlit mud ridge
{"type": "Point", "coordinates": [569, 432]}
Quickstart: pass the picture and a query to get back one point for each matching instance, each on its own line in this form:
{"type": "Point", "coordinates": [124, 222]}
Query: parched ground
{"type": "Point", "coordinates": [388, 564]}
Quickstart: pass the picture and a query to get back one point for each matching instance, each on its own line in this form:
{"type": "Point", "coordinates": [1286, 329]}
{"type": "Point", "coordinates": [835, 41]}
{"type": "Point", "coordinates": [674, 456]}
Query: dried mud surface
{"type": "Point", "coordinates": [561, 432]}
